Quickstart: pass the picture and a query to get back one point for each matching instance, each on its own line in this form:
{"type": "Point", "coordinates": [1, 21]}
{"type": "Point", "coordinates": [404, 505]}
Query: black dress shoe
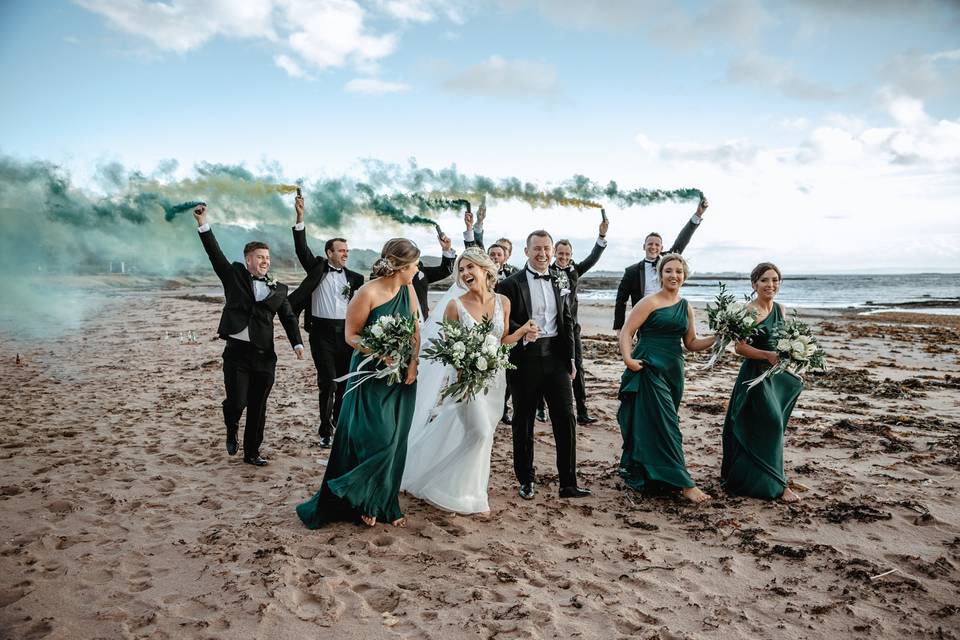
{"type": "Point", "coordinates": [526, 491]}
{"type": "Point", "coordinates": [574, 492]}
{"type": "Point", "coordinates": [586, 418]}
{"type": "Point", "coordinates": [326, 442]}
{"type": "Point", "coordinates": [232, 444]}
{"type": "Point", "coordinates": [506, 419]}
{"type": "Point", "coordinates": [541, 415]}
{"type": "Point", "coordinates": [258, 461]}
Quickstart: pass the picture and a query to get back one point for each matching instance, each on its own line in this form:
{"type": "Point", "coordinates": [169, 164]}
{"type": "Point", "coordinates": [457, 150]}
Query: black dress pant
{"type": "Point", "coordinates": [331, 355]}
{"type": "Point", "coordinates": [579, 386]}
{"type": "Point", "coordinates": [248, 375]}
{"type": "Point", "coordinates": [543, 373]}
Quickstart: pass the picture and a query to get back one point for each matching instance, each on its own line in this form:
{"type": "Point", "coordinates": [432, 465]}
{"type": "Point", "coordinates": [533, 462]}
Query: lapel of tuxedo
{"type": "Point", "coordinates": [559, 299]}
{"type": "Point", "coordinates": [246, 280]}
{"type": "Point", "coordinates": [525, 295]}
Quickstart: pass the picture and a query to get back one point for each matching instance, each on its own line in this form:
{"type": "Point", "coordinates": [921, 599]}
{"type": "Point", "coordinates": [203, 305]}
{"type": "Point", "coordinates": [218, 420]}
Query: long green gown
{"type": "Point", "coordinates": [755, 423]}
{"type": "Point", "coordinates": [649, 401]}
{"type": "Point", "coordinates": [370, 445]}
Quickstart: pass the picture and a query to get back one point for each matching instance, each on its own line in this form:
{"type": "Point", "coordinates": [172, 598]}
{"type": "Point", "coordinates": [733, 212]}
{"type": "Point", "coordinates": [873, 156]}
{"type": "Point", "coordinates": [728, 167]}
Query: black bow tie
{"type": "Point", "coordinates": [331, 268]}
{"type": "Point", "coordinates": [653, 262]}
{"type": "Point", "coordinates": [261, 279]}
{"type": "Point", "coordinates": [537, 276]}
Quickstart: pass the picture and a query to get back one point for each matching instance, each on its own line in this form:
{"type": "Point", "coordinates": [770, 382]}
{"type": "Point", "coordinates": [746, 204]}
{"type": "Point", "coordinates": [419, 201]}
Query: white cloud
{"type": "Point", "coordinates": [923, 74]}
{"type": "Point", "coordinates": [289, 65]}
{"type": "Point", "coordinates": [768, 72]}
{"type": "Point", "coordinates": [728, 153]}
{"type": "Point", "coordinates": [670, 23]}
{"type": "Point", "coordinates": [498, 76]}
{"type": "Point", "coordinates": [186, 24]}
{"type": "Point", "coordinates": [374, 86]}
{"type": "Point", "coordinates": [306, 34]}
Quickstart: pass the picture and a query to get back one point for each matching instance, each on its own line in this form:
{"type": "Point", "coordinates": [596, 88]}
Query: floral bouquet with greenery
{"type": "Point", "coordinates": [730, 322]}
{"type": "Point", "coordinates": [389, 340]}
{"type": "Point", "coordinates": [796, 348]}
{"type": "Point", "coordinates": [476, 355]}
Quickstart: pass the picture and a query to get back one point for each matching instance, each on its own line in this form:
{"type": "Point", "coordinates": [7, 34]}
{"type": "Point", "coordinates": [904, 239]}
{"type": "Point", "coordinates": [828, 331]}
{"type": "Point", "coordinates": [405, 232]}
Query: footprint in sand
{"type": "Point", "coordinates": [380, 600]}
{"type": "Point", "coordinates": [13, 594]}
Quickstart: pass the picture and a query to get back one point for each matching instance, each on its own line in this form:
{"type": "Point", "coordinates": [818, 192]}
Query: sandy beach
{"type": "Point", "coordinates": [123, 517]}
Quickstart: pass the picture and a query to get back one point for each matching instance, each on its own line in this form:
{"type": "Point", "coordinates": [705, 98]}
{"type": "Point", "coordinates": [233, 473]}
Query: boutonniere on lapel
{"type": "Point", "coordinates": [563, 282]}
{"type": "Point", "coordinates": [270, 281]}
{"type": "Point", "coordinates": [347, 291]}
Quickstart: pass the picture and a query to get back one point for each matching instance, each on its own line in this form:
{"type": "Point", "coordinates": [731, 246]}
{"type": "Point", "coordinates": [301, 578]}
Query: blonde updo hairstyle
{"type": "Point", "coordinates": [672, 257]}
{"type": "Point", "coordinates": [395, 255]}
{"type": "Point", "coordinates": [482, 260]}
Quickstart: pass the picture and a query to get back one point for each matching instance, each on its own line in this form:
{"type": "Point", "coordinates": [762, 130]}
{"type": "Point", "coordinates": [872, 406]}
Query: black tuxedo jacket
{"type": "Point", "coordinates": [577, 269]}
{"type": "Point", "coordinates": [633, 281]}
{"type": "Point", "coordinates": [517, 290]}
{"type": "Point", "coordinates": [241, 308]}
{"type": "Point", "coordinates": [316, 268]}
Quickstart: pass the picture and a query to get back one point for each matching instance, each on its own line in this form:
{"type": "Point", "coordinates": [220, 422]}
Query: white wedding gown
{"type": "Point", "coordinates": [448, 449]}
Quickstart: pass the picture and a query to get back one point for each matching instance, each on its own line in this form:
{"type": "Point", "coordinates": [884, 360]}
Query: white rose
{"type": "Point", "coordinates": [491, 342]}
{"type": "Point", "coordinates": [783, 345]}
{"type": "Point", "coordinates": [481, 364]}
{"type": "Point", "coordinates": [459, 347]}
{"type": "Point", "coordinates": [811, 349]}
{"type": "Point", "coordinates": [376, 330]}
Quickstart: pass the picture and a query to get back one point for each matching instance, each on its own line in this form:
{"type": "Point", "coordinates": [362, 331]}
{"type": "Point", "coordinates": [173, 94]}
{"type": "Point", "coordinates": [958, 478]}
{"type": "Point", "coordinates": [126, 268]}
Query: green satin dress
{"type": "Point", "coordinates": [369, 447]}
{"type": "Point", "coordinates": [649, 401]}
{"type": "Point", "coordinates": [755, 423]}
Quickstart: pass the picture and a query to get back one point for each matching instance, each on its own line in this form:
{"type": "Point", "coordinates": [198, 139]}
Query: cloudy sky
{"type": "Point", "coordinates": [826, 133]}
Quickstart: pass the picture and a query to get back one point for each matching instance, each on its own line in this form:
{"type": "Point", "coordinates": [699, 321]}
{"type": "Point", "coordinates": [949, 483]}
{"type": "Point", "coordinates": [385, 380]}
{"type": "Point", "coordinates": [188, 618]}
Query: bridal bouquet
{"type": "Point", "coordinates": [474, 353]}
{"type": "Point", "coordinates": [730, 321]}
{"type": "Point", "coordinates": [796, 348]}
{"type": "Point", "coordinates": [389, 340]}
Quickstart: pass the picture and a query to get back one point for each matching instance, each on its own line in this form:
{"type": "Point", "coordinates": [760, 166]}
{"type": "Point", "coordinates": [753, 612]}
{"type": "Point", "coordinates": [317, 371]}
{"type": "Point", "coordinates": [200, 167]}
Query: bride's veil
{"type": "Point", "coordinates": [431, 376]}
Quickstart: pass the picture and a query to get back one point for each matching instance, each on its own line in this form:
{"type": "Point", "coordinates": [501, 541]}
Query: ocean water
{"type": "Point", "coordinates": [925, 292]}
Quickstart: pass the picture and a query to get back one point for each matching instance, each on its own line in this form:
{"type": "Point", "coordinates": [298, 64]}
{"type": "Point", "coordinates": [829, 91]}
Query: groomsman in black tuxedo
{"type": "Point", "coordinates": [545, 365]}
{"type": "Point", "coordinates": [327, 289]}
{"type": "Point", "coordinates": [499, 252]}
{"type": "Point", "coordinates": [569, 271]}
{"type": "Point", "coordinates": [640, 279]}
{"type": "Point", "coordinates": [253, 298]}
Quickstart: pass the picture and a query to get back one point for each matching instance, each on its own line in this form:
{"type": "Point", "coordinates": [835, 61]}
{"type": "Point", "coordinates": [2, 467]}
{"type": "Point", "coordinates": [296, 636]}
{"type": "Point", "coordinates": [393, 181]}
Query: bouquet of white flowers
{"type": "Point", "coordinates": [730, 322]}
{"type": "Point", "coordinates": [389, 340]}
{"type": "Point", "coordinates": [796, 348]}
{"type": "Point", "coordinates": [474, 353]}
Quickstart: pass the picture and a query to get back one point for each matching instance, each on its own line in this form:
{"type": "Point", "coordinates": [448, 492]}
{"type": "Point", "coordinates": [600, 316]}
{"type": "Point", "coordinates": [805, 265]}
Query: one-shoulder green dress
{"type": "Point", "coordinates": [755, 423]}
{"type": "Point", "coordinates": [649, 401]}
{"type": "Point", "coordinates": [370, 445]}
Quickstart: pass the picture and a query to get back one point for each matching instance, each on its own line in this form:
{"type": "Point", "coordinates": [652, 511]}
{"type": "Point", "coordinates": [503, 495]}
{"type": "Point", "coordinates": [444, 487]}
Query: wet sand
{"type": "Point", "coordinates": [124, 517]}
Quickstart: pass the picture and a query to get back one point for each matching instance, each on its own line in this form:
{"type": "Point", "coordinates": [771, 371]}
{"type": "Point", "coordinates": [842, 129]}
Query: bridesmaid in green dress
{"type": "Point", "coordinates": [366, 462]}
{"type": "Point", "coordinates": [756, 418]}
{"type": "Point", "coordinates": [652, 386]}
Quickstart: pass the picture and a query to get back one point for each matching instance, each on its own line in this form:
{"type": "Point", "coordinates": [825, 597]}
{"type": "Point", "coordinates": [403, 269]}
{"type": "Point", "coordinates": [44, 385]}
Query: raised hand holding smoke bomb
{"type": "Point", "coordinates": [298, 205]}
{"type": "Point", "coordinates": [702, 206]}
{"type": "Point", "coordinates": [200, 214]}
{"type": "Point", "coordinates": [604, 224]}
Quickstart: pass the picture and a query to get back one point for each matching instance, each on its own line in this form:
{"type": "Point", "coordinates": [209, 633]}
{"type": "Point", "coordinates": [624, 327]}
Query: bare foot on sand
{"type": "Point", "coordinates": [370, 521]}
{"type": "Point", "coordinates": [400, 522]}
{"type": "Point", "coordinates": [789, 496]}
{"type": "Point", "coordinates": [694, 495]}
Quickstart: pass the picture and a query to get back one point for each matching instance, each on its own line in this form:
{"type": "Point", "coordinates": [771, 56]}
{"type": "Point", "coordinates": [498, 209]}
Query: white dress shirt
{"type": "Point", "coordinates": [544, 311]}
{"type": "Point", "coordinates": [327, 300]}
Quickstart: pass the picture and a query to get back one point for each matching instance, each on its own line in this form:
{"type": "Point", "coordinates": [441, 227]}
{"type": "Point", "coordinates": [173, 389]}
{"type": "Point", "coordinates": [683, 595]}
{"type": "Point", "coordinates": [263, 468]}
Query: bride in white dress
{"type": "Point", "coordinates": [448, 449]}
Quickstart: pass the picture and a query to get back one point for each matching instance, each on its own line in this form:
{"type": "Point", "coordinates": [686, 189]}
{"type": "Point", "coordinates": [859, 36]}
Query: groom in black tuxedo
{"type": "Point", "coordinates": [253, 298]}
{"type": "Point", "coordinates": [545, 365]}
{"type": "Point", "coordinates": [327, 289]}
